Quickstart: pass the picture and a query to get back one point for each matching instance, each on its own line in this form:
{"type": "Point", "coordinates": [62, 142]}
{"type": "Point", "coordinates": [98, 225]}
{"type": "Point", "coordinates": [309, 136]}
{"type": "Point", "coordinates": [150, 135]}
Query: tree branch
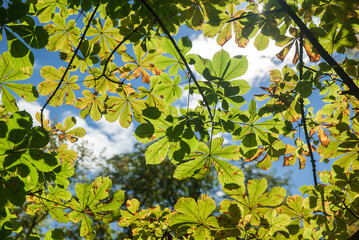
{"type": "Point", "coordinates": [308, 142]}
{"type": "Point", "coordinates": [69, 64]}
{"type": "Point", "coordinates": [353, 88]}
{"type": "Point", "coordinates": [181, 55]}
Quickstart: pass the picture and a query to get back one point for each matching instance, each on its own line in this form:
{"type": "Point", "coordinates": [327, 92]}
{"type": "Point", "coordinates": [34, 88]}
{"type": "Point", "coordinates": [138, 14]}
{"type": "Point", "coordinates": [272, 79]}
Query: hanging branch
{"type": "Point", "coordinates": [181, 55]}
{"type": "Point", "coordinates": [302, 110]}
{"type": "Point", "coordinates": [353, 88]}
{"type": "Point", "coordinates": [69, 64]}
{"type": "Point", "coordinates": [308, 142]}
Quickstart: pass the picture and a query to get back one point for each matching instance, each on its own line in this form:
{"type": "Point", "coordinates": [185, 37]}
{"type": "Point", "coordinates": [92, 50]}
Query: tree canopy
{"type": "Point", "coordinates": [123, 62]}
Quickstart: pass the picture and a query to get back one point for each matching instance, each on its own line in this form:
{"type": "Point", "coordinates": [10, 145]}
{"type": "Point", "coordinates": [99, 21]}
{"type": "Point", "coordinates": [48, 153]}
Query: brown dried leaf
{"type": "Point", "coordinates": [296, 54]}
{"type": "Point", "coordinates": [256, 155]}
{"type": "Point", "coordinates": [283, 53]}
{"type": "Point", "coordinates": [323, 138]}
{"type": "Point", "coordinates": [302, 162]}
{"type": "Point", "coordinates": [290, 149]}
{"type": "Point", "coordinates": [242, 42]}
{"type": "Point", "coordinates": [289, 161]}
{"type": "Point", "coordinates": [312, 54]}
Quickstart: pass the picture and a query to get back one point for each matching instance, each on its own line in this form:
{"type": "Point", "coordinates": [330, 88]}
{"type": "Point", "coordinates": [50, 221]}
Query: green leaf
{"type": "Point", "coordinates": [276, 223]}
{"type": "Point", "coordinates": [10, 72]}
{"type": "Point", "coordinates": [168, 88]}
{"type": "Point", "coordinates": [66, 89]}
{"type": "Point", "coordinates": [157, 152]}
{"type": "Point", "coordinates": [47, 8]}
{"type": "Point", "coordinates": [91, 104]}
{"type": "Point", "coordinates": [63, 35]}
{"type": "Point", "coordinates": [195, 216]}
{"type": "Point", "coordinates": [71, 134]}
{"type": "Point", "coordinates": [34, 36]}
{"type": "Point", "coordinates": [55, 234]}
{"type": "Point", "coordinates": [261, 42]}
{"type": "Point", "coordinates": [163, 62]}
{"type": "Point", "coordinates": [127, 104]}
{"type": "Point", "coordinates": [257, 202]}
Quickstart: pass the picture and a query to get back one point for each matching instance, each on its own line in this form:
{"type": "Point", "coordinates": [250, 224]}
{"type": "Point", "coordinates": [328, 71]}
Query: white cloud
{"type": "Point", "coordinates": [100, 135]}
{"type": "Point", "coordinates": [32, 108]}
{"type": "Point", "coordinates": [106, 135]}
{"type": "Point", "coordinates": [259, 62]}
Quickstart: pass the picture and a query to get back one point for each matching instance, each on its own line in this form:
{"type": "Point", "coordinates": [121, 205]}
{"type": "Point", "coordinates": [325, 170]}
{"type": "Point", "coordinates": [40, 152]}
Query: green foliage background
{"type": "Point", "coordinates": [284, 128]}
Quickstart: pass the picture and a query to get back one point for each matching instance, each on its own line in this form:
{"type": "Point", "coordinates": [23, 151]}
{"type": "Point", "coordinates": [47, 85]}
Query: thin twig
{"type": "Point", "coordinates": [308, 142]}
{"type": "Point", "coordinates": [353, 88]}
{"type": "Point", "coordinates": [304, 123]}
{"type": "Point", "coordinates": [69, 64]}
{"type": "Point", "coordinates": [180, 53]}
{"type": "Point", "coordinates": [35, 222]}
{"type": "Point", "coordinates": [347, 208]}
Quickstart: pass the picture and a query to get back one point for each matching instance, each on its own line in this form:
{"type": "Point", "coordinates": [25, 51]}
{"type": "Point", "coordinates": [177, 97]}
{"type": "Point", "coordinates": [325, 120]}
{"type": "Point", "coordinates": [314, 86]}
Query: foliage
{"type": "Point", "coordinates": [129, 61]}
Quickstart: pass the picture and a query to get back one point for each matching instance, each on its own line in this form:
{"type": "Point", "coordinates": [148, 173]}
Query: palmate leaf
{"type": "Point", "coordinates": [86, 59]}
{"type": "Point", "coordinates": [91, 104]}
{"type": "Point", "coordinates": [255, 133]}
{"type": "Point", "coordinates": [167, 87]}
{"type": "Point", "coordinates": [334, 40]}
{"type": "Point", "coordinates": [296, 211]}
{"type": "Point", "coordinates": [124, 107]}
{"type": "Point", "coordinates": [224, 29]}
{"type": "Point", "coordinates": [288, 42]}
{"type": "Point", "coordinates": [35, 36]}
{"type": "Point", "coordinates": [102, 83]}
{"type": "Point", "coordinates": [163, 62]}
{"type": "Point", "coordinates": [139, 65]}
{"type": "Point", "coordinates": [106, 34]}
{"type": "Point", "coordinates": [300, 152]}
{"type": "Point", "coordinates": [91, 202]}
{"type": "Point", "coordinates": [73, 134]}
{"type": "Point", "coordinates": [255, 200]}
{"type": "Point", "coordinates": [194, 217]}
{"type": "Point", "coordinates": [198, 164]}
{"type": "Point", "coordinates": [152, 100]}
{"type": "Point", "coordinates": [222, 67]}
{"type": "Point", "coordinates": [66, 90]}
{"type": "Point", "coordinates": [199, 12]}
{"type": "Point", "coordinates": [63, 35]}
{"type": "Point", "coordinates": [46, 9]}
{"type": "Point", "coordinates": [10, 73]}
{"type": "Point", "coordinates": [276, 222]}
{"type": "Point", "coordinates": [220, 73]}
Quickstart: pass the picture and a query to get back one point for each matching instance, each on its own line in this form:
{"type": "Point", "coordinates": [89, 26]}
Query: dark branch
{"type": "Point", "coordinates": [353, 88]}
{"type": "Point", "coordinates": [308, 142]}
{"type": "Point", "coordinates": [181, 55]}
{"type": "Point", "coordinates": [302, 109]}
{"type": "Point", "coordinates": [347, 208]}
{"type": "Point", "coordinates": [68, 66]}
